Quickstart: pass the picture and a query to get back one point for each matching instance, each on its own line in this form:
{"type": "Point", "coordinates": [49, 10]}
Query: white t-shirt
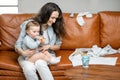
{"type": "Point", "coordinates": [45, 35]}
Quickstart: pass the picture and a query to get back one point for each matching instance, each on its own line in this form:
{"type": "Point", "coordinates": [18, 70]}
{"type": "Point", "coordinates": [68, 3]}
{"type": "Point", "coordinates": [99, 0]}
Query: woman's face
{"type": "Point", "coordinates": [53, 18]}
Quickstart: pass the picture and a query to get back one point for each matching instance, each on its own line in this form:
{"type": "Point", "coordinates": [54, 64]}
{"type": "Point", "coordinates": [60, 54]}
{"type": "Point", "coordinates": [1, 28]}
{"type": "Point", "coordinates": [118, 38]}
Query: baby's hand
{"type": "Point", "coordinates": [41, 39]}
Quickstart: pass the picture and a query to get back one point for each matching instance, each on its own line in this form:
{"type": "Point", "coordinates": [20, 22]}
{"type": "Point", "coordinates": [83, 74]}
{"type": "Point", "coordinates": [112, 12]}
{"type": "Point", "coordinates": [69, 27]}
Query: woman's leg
{"type": "Point", "coordinates": [43, 70]}
{"type": "Point", "coordinates": [29, 69]}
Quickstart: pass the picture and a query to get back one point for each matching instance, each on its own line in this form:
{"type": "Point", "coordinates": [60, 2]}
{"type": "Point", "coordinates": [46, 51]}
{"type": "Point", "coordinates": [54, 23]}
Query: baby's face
{"type": "Point", "coordinates": [33, 31]}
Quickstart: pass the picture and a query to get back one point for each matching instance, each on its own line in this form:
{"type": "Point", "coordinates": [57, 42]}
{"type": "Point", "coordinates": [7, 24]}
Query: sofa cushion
{"type": "Point", "coordinates": [10, 66]}
{"type": "Point", "coordinates": [88, 34]}
{"type": "Point", "coordinates": [8, 61]}
{"type": "Point", "coordinates": [11, 73]}
{"type": "Point", "coordinates": [81, 36]}
{"type": "Point", "coordinates": [110, 28]}
{"type": "Point", "coordinates": [9, 29]}
{"type": "Point", "coordinates": [11, 78]}
{"type": "Point", "coordinates": [65, 63]}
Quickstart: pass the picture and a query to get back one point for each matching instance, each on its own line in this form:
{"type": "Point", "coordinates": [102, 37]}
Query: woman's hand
{"type": "Point", "coordinates": [44, 48]}
{"type": "Point", "coordinates": [41, 39]}
{"type": "Point", "coordinates": [51, 47]}
{"type": "Point", "coordinates": [27, 52]}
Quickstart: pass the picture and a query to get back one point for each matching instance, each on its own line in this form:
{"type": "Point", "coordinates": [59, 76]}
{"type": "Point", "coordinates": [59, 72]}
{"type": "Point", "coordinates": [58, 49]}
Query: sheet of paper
{"type": "Point", "coordinates": [103, 60]}
{"type": "Point", "coordinates": [76, 60]}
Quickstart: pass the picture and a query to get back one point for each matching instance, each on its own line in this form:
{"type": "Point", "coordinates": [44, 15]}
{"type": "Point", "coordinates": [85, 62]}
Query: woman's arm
{"type": "Point", "coordinates": [54, 47]}
{"type": "Point", "coordinates": [51, 47]}
{"type": "Point", "coordinates": [27, 52]}
{"type": "Point", "coordinates": [57, 44]}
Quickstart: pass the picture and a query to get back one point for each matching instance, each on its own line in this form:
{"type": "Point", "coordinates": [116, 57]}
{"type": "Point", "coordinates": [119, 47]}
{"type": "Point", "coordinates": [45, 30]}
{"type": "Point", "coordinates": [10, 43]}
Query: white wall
{"type": "Point", "coordinates": [71, 6]}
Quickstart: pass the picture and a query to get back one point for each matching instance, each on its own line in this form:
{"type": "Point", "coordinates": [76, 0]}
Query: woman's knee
{"type": "Point", "coordinates": [29, 67]}
{"type": "Point", "coordinates": [40, 63]}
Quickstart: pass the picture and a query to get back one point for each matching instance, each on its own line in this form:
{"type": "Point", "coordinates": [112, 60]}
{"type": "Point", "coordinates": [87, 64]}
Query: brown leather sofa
{"type": "Point", "coordinates": [102, 29]}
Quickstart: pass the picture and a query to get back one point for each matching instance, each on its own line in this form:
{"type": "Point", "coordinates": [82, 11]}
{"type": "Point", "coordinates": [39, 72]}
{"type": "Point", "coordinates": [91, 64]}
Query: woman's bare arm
{"type": "Point", "coordinates": [27, 52]}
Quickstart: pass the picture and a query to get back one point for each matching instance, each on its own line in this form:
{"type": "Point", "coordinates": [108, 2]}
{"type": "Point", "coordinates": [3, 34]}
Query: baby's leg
{"type": "Point", "coordinates": [51, 59]}
{"type": "Point", "coordinates": [46, 56]}
{"type": "Point", "coordinates": [55, 60]}
{"type": "Point", "coordinates": [36, 57]}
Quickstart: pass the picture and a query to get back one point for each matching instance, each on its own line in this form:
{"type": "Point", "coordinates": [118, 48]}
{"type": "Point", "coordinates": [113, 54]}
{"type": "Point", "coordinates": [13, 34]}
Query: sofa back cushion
{"type": "Point", "coordinates": [110, 28]}
{"type": "Point", "coordinates": [9, 29]}
{"type": "Point", "coordinates": [81, 36]}
{"type": "Point", "coordinates": [76, 36]}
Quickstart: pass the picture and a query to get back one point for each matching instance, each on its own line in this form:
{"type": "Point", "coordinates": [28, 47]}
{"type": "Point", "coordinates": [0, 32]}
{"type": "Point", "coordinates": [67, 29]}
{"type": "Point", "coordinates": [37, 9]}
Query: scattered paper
{"type": "Point", "coordinates": [96, 55]}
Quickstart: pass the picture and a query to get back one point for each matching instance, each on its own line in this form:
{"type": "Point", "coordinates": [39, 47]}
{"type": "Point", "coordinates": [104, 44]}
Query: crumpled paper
{"type": "Point", "coordinates": [96, 55]}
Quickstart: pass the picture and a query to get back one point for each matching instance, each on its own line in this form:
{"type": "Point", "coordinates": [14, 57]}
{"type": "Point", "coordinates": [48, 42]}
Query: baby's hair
{"type": "Point", "coordinates": [32, 23]}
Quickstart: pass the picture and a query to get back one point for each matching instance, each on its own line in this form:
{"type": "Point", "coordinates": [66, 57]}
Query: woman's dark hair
{"type": "Point", "coordinates": [44, 14]}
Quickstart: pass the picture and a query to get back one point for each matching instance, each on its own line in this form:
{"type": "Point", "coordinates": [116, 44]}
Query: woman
{"type": "Point", "coordinates": [52, 28]}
